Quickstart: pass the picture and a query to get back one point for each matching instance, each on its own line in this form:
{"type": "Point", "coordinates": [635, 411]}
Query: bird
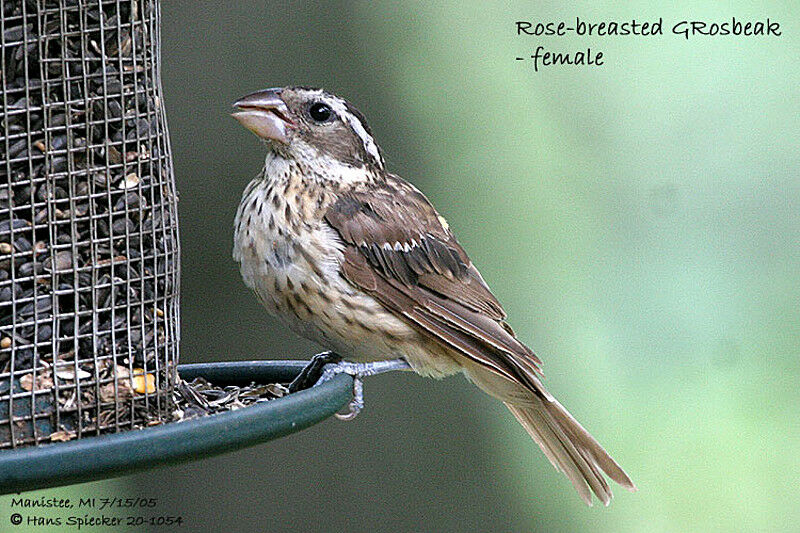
{"type": "Point", "coordinates": [357, 259]}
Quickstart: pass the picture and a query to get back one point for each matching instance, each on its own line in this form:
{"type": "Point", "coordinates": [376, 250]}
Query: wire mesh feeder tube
{"type": "Point", "coordinates": [89, 272]}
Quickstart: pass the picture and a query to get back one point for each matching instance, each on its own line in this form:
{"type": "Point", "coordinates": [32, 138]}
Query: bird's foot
{"type": "Point", "coordinates": [312, 372]}
{"type": "Point", "coordinates": [359, 371]}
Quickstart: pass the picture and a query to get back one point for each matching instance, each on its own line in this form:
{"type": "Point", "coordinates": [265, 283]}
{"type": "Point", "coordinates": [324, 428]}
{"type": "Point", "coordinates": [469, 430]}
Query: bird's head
{"type": "Point", "coordinates": [311, 126]}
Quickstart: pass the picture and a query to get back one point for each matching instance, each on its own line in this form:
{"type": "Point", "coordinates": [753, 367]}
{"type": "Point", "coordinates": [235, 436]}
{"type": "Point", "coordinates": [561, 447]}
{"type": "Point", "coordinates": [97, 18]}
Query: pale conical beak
{"type": "Point", "coordinates": [265, 114]}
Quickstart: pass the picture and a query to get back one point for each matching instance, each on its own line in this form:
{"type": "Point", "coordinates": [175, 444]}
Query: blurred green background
{"type": "Point", "coordinates": [639, 221]}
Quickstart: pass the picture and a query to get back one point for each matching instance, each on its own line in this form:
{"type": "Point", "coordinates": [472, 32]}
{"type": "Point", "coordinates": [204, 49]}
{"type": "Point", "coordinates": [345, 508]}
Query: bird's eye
{"type": "Point", "coordinates": [320, 112]}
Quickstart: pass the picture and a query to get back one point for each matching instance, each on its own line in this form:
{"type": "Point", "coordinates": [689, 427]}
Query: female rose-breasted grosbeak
{"type": "Point", "coordinates": [357, 259]}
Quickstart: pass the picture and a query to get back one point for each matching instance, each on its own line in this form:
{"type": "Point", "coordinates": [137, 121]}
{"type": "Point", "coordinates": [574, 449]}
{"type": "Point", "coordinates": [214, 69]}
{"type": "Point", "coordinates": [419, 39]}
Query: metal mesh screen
{"type": "Point", "coordinates": [89, 316]}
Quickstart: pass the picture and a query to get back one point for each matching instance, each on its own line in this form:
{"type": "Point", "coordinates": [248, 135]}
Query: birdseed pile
{"type": "Point", "coordinates": [198, 398]}
{"type": "Point", "coordinates": [88, 225]}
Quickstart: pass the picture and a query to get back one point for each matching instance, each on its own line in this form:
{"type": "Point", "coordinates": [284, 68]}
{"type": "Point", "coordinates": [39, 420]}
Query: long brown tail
{"type": "Point", "coordinates": [570, 448]}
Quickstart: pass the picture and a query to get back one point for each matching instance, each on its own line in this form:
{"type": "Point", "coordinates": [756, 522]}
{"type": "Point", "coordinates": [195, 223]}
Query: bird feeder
{"type": "Point", "coordinates": [88, 223]}
{"type": "Point", "coordinates": [89, 243]}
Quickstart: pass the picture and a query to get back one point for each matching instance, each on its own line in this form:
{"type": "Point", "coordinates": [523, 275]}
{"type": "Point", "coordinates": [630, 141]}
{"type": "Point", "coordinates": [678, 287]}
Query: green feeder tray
{"type": "Point", "coordinates": [117, 454]}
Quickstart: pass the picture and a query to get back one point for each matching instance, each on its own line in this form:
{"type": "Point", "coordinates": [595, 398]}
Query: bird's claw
{"type": "Point", "coordinates": [359, 371]}
{"type": "Point", "coordinates": [356, 404]}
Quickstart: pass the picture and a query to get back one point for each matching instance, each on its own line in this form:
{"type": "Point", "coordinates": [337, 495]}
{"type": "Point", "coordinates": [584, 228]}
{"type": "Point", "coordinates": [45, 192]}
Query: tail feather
{"type": "Point", "coordinates": [570, 448]}
{"type": "Point", "coordinates": [590, 444]}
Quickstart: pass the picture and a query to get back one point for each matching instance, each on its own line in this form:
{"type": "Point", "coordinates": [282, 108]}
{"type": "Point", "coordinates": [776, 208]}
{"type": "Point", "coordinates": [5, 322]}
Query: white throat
{"type": "Point", "coordinates": [314, 165]}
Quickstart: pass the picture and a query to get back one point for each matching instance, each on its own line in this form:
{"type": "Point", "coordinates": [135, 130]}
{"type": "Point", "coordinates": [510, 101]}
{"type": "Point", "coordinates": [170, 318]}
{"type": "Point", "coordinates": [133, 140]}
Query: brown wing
{"type": "Point", "coordinates": [400, 250]}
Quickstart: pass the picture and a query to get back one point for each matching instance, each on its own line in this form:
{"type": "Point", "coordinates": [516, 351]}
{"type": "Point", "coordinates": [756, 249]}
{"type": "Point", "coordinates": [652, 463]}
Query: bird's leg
{"type": "Point", "coordinates": [312, 372]}
{"type": "Point", "coordinates": [360, 371]}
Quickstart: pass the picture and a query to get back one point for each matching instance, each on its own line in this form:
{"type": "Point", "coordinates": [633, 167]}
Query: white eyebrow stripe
{"type": "Point", "coordinates": [366, 138]}
{"type": "Point", "coordinates": [370, 146]}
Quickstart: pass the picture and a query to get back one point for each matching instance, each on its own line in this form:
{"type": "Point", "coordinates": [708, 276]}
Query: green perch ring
{"type": "Point", "coordinates": [117, 454]}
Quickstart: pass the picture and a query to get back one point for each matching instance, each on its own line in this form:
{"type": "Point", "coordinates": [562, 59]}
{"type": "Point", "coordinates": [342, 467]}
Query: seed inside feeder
{"type": "Point", "coordinates": [130, 181]}
{"type": "Point", "coordinates": [143, 383]}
